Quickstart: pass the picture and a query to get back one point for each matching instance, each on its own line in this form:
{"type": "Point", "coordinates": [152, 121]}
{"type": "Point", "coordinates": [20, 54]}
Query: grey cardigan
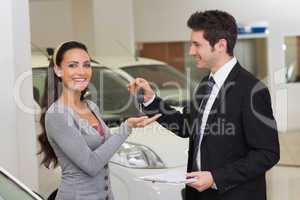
{"type": "Point", "coordinates": [82, 153]}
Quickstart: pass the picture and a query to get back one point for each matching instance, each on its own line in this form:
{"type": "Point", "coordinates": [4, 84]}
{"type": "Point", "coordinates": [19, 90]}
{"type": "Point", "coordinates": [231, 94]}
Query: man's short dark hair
{"type": "Point", "coordinates": [216, 25]}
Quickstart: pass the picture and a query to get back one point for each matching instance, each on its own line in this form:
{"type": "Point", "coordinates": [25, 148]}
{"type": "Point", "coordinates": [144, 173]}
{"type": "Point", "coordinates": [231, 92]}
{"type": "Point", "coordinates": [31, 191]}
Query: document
{"type": "Point", "coordinates": [171, 177]}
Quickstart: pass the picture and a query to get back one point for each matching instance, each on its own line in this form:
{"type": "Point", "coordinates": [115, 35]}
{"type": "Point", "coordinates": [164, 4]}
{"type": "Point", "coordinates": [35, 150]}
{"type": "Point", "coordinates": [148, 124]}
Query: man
{"type": "Point", "coordinates": [229, 122]}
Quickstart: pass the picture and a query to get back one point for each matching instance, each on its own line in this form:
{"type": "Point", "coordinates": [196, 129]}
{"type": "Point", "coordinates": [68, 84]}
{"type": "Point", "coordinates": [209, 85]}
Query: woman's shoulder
{"type": "Point", "coordinates": [92, 104]}
{"type": "Point", "coordinates": [57, 109]}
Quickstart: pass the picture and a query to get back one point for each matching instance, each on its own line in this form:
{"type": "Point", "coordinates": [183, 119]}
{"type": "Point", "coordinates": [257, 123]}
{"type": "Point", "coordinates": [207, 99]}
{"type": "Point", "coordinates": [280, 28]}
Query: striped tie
{"type": "Point", "coordinates": [207, 92]}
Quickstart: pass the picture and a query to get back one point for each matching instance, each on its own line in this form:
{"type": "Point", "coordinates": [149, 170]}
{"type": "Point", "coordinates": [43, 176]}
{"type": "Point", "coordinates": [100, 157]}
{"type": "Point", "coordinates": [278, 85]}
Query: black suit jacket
{"type": "Point", "coordinates": [240, 142]}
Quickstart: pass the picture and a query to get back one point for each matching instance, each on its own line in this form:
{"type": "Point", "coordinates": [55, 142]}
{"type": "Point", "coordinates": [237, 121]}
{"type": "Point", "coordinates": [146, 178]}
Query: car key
{"type": "Point", "coordinates": [140, 98]}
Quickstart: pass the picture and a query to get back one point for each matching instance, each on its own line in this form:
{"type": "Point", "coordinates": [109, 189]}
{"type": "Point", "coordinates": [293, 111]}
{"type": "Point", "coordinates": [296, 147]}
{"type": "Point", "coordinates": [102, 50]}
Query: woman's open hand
{"type": "Point", "coordinates": [140, 122]}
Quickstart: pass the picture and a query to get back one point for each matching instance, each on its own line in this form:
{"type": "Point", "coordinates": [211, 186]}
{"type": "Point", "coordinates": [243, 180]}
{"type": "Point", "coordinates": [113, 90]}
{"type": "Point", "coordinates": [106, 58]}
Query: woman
{"type": "Point", "coordinates": [74, 136]}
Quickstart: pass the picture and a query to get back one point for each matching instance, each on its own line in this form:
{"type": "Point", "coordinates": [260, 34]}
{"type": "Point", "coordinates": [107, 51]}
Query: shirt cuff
{"type": "Point", "coordinates": [149, 101]}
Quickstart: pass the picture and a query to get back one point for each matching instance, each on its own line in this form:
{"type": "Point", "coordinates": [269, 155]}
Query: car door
{"type": "Point", "coordinates": [12, 189]}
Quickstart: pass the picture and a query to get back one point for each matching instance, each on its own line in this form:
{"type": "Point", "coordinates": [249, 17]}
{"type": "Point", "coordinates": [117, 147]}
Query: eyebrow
{"type": "Point", "coordinates": [73, 61]}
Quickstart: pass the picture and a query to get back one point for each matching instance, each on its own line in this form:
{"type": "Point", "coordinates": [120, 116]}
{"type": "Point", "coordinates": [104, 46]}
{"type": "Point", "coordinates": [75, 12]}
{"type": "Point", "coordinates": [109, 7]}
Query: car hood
{"type": "Point", "coordinates": [169, 147]}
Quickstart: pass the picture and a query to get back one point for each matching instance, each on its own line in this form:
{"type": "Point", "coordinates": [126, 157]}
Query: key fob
{"type": "Point", "coordinates": [140, 95]}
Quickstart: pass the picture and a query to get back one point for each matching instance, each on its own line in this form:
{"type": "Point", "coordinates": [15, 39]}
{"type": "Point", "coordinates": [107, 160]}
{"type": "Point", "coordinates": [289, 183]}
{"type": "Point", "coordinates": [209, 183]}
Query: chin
{"type": "Point", "coordinates": [200, 66]}
{"type": "Point", "coordinates": [78, 88]}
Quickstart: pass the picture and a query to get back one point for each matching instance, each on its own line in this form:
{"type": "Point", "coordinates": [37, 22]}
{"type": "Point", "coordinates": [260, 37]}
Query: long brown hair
{"type": "Point", "coordinates": [52, 91]}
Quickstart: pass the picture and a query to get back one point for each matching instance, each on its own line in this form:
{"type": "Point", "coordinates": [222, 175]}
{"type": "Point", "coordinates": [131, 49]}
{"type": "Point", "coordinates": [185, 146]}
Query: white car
{"type": "Point", "coordinates": [151, 150]}
{"type": "Point", "coordinates": [12, 189]}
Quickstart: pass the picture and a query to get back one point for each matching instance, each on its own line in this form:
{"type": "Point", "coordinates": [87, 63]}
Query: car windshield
{"type": "Point", "coordinates": [9, 190]}
{"type": "Point", "coordinates": [167, 81]}
{"type": "Point", "coordinates": [107, 89]}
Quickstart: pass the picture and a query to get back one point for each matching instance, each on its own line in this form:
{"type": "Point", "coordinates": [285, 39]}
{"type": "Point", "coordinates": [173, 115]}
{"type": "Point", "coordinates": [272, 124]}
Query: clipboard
{"type": "Point", "coordinates": [169, 177]}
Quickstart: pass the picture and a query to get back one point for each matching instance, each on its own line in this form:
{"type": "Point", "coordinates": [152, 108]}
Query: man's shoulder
{"type": "Point", "coordinates": [249, 85]}
{"type": "Point", "coordinates": [205, 78]}
{"type": "Point", "coordinates": [246, 78]}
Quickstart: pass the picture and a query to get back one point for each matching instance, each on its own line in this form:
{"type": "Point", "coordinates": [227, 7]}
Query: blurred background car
{"type": "Point", "coordinates": [169, 83]}
{"type": "Point", "coordinates": [12, 189]}
{"type": "Point", "coordinates": [151, 150]}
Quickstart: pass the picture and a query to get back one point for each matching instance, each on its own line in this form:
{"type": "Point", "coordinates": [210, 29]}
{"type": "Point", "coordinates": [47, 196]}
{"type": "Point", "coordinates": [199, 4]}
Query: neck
{"type": "Point", "coordinates": [221, 62]}
{"type": "Point", "coordinates": [71, 98]}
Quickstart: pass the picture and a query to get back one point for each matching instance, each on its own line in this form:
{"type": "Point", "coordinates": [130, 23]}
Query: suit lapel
{"type": "Point", "coordinates": [199, 94]}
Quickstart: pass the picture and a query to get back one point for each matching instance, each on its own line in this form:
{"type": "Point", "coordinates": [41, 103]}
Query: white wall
{"type": "Point", "coordinates": [155, 20]}
{"type": "Point", "coordinates": [158, 20]}
{"type": "Point", "coordinates": [114, 27]}
{"type": "Point", "coordinates": [105, 26]}
{"type": "Point", "coordinates": [51, 22]}
{"type": "Point", "coordinates": [83, 23]}
{"type": "Point", "coordinates": [8, 146]}
{"type": "Point", "coordinates": [17, 144]}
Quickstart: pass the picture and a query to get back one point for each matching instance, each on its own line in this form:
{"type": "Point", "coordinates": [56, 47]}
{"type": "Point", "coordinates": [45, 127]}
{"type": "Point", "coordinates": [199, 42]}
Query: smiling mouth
{"type": "Point", "coordinates": [80, 81]}
{"type": "Point", "coordinates": [198, 60]}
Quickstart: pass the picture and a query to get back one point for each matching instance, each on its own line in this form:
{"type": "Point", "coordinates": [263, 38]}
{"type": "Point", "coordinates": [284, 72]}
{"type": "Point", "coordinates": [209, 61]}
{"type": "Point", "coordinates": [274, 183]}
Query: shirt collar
{"type": "Point", "coordinates": [221, 75]}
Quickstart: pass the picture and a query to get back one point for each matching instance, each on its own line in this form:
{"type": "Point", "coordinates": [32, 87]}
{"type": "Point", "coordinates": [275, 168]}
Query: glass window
{"type": "Point", "coordinates": [250, 50]}
{"type": "Point", "coordinates": [292, 56]}
{"type": "Point", "coordinates": [251, 53]}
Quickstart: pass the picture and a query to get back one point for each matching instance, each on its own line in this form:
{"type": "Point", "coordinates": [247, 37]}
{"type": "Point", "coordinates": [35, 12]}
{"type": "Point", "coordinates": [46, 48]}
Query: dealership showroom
{"type": "Point", "coordinates": [150, 100]}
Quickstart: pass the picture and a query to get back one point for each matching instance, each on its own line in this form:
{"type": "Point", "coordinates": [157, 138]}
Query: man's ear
{"type": "Point", "coordinates": [221, 45]}
{"type": "Point", "coordinates": [57, 71]}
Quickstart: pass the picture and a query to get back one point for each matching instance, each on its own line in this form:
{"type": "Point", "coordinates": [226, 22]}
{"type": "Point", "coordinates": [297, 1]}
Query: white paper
{"type": "Point", "coordinates": [171, 177]}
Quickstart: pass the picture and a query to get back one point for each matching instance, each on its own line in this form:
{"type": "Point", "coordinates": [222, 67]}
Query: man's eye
{"type": "Point", "coordinates": [88, 65]}
{"type": "Point", "coordinates": [196, 45]}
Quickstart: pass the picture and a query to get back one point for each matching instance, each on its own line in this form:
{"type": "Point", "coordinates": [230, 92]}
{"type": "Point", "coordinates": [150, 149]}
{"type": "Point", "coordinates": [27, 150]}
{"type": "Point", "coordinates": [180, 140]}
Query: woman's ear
{"type": "Point", "coordinates": [57, 71]}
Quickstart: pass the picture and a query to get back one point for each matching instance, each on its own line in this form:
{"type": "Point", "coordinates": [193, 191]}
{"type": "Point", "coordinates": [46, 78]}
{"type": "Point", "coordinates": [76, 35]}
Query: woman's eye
{"type": "Point", "coordinates": [72, 65]}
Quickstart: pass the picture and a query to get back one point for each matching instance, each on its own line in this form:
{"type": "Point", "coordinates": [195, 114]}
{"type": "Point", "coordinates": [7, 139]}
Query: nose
{"type": "Point", "coordinates": [80, 70]}
{"type": "Point", "coordinates": [192, 50]}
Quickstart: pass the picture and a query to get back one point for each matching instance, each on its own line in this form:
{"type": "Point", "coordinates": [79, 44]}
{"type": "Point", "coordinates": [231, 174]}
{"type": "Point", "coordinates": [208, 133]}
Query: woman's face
{"type": "Point", "coordinates": [75, 70]}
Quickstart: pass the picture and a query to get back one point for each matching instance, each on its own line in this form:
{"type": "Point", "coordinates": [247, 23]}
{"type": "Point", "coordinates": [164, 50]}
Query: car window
{"type": "Point", "coordinates": [38, 81]}
{"type": "Point", "coordinates": [162, 76]}
{"type": "Point", "coordinates": [168, 83]}
{"type": "Point", "coordinates": [9, 190]}
{"type": "Point", "coordinates": [107, 89]}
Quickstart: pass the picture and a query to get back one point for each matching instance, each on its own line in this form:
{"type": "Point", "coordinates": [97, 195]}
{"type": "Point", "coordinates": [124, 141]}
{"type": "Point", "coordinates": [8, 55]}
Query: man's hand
{"type": "Point", "coordinates": [137, 83]}
{"type": "Point", "coordinates": [204, 180]}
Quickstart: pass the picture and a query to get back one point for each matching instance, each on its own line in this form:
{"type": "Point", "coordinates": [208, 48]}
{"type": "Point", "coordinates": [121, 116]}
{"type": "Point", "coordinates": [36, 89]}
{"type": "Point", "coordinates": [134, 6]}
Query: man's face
{"type": "Point", "coordinates": [204, 54]}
